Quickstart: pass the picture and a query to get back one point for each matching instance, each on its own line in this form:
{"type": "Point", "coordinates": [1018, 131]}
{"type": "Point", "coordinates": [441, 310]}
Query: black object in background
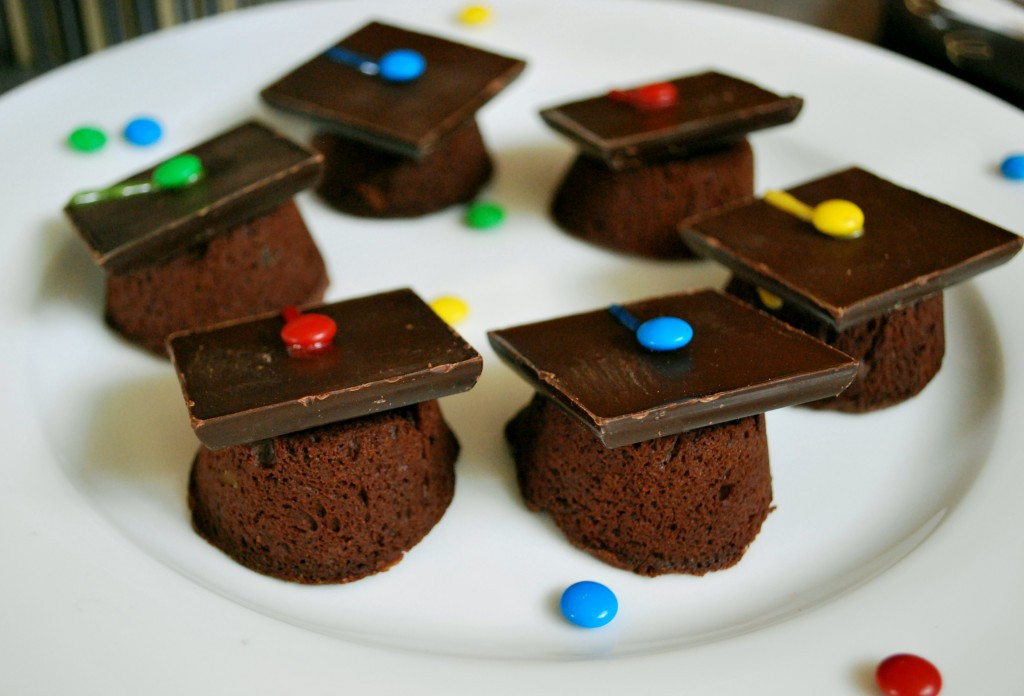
{"type": "Point", "coordinates": [923, 30]}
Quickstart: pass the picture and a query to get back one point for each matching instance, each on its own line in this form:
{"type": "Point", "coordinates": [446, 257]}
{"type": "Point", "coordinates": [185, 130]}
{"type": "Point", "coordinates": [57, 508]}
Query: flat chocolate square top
{"type": "Point", "coordinates": [391, 350]}
{"type": "Point", "coordinates": [713, 109]}
{"type": "Point", "coordinates": [912, 246]}
{"type": "Point", "coordinates": [740, 362]}
{"type": "Point", "coordinates": [248, 170]}
{"type": "Point", "coordinates": [405, 118]}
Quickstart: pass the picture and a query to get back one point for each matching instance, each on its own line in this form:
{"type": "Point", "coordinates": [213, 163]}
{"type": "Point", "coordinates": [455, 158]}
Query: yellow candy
{"type": "Point", "coordinates": [769, 300]}
{"type": "Point", "coordinates": [451, 309]}
{"type": "Point", "coordinates": [836, 218]}
{"type": "Point", "coordinates": [475, 14]}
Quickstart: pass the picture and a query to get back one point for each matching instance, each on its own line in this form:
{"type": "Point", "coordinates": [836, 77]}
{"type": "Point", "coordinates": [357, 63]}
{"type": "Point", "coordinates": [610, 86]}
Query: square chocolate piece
{"type": "Point", "coordinates": [391, 350]}
{"type": "Point", "coordinates": [912, 246]}
{"type": "Point", "coordinates": [237, 185]}
{"type": "Point", "coordinates": [740, 362]}
{"type": "Point", "coordinates": [408, 118]}
{"type": "Point", "coordinates": [712, 109]}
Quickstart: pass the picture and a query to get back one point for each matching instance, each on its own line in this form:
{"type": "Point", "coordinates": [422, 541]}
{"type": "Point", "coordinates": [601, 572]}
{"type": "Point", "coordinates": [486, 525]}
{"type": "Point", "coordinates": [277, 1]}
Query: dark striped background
{"type": "Point", "coordinates": [36, 35]}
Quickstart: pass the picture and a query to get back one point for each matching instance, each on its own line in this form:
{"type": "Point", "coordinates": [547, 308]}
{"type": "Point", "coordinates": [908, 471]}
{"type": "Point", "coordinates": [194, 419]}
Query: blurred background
{"type": "Point", "coordinates": [979, 41]}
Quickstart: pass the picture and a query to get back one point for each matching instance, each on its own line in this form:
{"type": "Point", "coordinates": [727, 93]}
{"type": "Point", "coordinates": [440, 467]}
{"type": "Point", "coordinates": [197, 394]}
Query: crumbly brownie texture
{"type": "Point", "coordinates": [638, 210]}
{"type": "Point", "coordinates": [899, 351]}
{"type": "Point", "coordinates": [264, 264]}
{"type": "Point", "coordinates": [362, 180]}
{"type": "Point", "coordinates": [687, 503]}
{"type": "Point", "coordinates": [330, 504]}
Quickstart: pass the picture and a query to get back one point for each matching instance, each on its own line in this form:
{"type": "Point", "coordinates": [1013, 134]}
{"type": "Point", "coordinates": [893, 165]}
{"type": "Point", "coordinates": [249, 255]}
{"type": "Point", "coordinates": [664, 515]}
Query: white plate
{"type": "Point", "coordinates": [894, 531]}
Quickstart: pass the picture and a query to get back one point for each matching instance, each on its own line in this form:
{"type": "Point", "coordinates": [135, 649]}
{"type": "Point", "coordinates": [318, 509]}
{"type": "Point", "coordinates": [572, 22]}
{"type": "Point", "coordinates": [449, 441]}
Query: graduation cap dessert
{"type": "Point", "coordinates": [861, 263]}
{"type": "Point", "coordinates": [653, 155]}
{"type": "Point", "coordinates": [651, 456]}
{"type": "Point", "coordinates": [209, 235]}
{"type": "Point", "coordinates": [324, 454]}
{"type": "Point", "coordinates": [396, 111]}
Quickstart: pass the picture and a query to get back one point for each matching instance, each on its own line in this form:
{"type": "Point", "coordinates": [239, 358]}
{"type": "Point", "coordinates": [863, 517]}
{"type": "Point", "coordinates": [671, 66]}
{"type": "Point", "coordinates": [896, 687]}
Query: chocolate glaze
{"type": "Point", "coordinates": [391, 350]}
{"type": "Point", "coordinates": [236, 187]}
{"type": "Point", "coordinates": [741, 362]}
{"type": "Point", "coordinates": [713, 109]}
{"type": "Point", "coordinates": [912, 246]}
{"type": "Point", "coordinates": [409, 118]}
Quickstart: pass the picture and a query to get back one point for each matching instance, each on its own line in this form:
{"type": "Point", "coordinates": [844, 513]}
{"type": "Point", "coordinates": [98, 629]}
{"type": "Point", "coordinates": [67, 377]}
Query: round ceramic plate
{"type": "Point", "coordinates": [893, 532]}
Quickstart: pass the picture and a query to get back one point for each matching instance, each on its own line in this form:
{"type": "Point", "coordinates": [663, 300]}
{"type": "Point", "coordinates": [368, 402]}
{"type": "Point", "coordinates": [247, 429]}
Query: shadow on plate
{"type": "Point", "coordinates": [525, 178]}
{"type": "Point", "coordinates": [139, 444]}
{"type": "Point", "coordinates": [69, 274]}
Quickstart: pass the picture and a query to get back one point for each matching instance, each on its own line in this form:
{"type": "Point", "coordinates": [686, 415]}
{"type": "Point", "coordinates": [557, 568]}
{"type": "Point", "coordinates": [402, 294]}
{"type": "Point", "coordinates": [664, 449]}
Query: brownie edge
{"type": "Point", "coordinates": [687, 503]}
{"type": "Point", "coordinates": [330, 504]}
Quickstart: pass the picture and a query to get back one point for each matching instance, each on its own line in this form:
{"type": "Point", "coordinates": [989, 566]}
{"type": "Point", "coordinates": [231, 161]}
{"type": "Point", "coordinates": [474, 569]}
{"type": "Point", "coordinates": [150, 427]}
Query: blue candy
{"type": "Point", "coordinates": [401, 65]}
{"type": "Point", "coordinates": [143, 131]}
{"type": "Point", "coordinates": [1013, 167]}
{"type": "Point", "coordinates": [664, 334]}
{"type": "Point", "coordinates": [589, 604]}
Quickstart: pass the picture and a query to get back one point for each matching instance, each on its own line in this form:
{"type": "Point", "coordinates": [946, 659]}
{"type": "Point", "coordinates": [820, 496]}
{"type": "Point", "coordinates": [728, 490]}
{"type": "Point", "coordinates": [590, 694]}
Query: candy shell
{"type": "Point", "coordinates": [1013, 167]}
{"type": "Point", "coordinates": [87, 139]}
{"type": "Point", "coordinates": [475, 14]}
{"type": "Point", "coordinates": [908, 675]}
{"type": "Point", "coordinates": [451, 309]}
{"type": "Point", "coordinates": [484, 216]}
{"type": "Point", "coordinates": [589, 604]}
{"type": "Point", "coordinates": [769, 300]}
{"type": "Point", "coordinates": [659, 95]}
{"type": "Point", "coordinates": [178, 172]}
{"type": "Point", "coordinates": [306, 335]}
{"type": "Point", "coordinates": [401, 65]}
{"type": "Point", "coordinates": [143, 131]}
{"type": "Point", "coordinates": [838, 218]}
{"type": "Point", "coordinates": [663, 334]}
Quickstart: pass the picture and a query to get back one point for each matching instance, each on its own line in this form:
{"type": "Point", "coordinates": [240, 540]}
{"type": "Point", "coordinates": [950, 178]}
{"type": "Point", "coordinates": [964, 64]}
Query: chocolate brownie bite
{"type": "Point", "coordinates": [397, 142]}
{"type": "Point", "coordinates": [226, 243]}
{"type": "Point", "coordinates": [656, 461]}
{"type": "Point", "coordinates": [874, 291]}
{"type": "Point", "coordinates": [654, 155]}
{"type": "Point", "coordinates": [324, 457]}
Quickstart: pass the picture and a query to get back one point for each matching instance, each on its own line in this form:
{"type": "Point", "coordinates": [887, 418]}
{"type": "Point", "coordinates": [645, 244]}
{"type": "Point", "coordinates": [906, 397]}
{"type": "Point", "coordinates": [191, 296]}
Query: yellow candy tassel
{"type": "Point", "coordinates": [836, 218]}
{"type": "Point", "coordinates": [789, 204]}
{"type": "Point", "coordinates": [769, 300]}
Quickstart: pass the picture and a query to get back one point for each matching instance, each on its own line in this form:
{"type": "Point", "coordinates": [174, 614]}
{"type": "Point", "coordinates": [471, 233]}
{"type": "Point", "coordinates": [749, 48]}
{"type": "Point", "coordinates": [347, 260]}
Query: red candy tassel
{"type": "Point", "coordinates": [658, 95]}
{"type": "Point", "coordinates": [306, 335]}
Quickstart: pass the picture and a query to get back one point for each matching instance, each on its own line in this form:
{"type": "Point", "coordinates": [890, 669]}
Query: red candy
{"type": "Point", "coordinates": [908, 675]}
{"type": "Point", "coordinates": [305, 335]}
{"type": "Point", "coordinates": [649, 97]}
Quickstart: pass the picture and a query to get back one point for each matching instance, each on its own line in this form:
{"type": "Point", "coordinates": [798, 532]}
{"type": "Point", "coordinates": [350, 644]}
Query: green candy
{"type": "Point", "coordinates": [87, 139]}
{"type": "Point", "coordinates": [484, 216]}
{"type": "Point", "coordinates": [178, 172]}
